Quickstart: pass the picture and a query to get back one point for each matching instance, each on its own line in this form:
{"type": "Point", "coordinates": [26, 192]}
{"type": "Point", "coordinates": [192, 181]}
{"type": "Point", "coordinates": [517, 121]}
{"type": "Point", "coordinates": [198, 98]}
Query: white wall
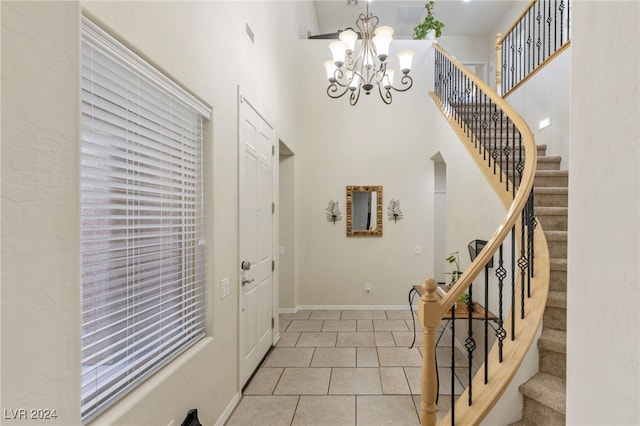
{"type": "Point", "coordinates": [40, 215]}
{"type": "Point", "coordinates": [603, 320]}
{"type": "Point", "coordinates": [340, 145]}
{"type": "Point", "coordinates": [547, 94]}
{"type": "Point", "coordinates": [40, 186]}
{"type": "Point", "coordinates": [369, 144]}
{"type": "Point", "coordinates": [286, 266]}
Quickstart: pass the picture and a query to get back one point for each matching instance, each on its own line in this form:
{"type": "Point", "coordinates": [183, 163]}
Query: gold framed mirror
{"type": "Point", "coordinates": [364, 210]}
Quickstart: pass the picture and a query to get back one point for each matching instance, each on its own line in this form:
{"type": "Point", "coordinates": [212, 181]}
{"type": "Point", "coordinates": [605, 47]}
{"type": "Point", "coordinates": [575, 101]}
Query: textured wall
{"type": "Point", "coordinates": [40, 210]}
{"type": "Point", "coordinates": [603, 320]}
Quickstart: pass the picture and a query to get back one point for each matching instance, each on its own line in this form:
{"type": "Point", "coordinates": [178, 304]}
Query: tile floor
{"type": "Point", "coordinates": [344, 368]}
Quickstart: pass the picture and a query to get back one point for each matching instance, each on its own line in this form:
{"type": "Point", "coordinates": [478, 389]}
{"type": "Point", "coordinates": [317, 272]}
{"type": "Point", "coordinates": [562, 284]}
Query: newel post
{"type": "Point", "coordinates": [499, 64]}
{"type": "Point", "coordinates": [430, 318]}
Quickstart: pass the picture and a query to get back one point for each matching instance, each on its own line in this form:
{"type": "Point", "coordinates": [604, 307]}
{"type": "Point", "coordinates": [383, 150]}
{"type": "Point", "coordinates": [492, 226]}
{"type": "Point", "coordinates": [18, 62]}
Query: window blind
{"type": "Point", "coordinates": [142, 229]}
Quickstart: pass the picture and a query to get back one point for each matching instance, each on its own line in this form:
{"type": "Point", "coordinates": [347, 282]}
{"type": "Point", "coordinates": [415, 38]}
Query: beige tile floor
{"type": "Point", "coordinates": [344, 368]}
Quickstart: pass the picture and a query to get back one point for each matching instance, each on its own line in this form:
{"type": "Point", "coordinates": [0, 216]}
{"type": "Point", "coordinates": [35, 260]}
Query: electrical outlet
{"type": "Point", "coordinates": [417, 250]}
{"type": "Point", "coordinates": [224, 287]}
{"type": "Point", "coordinates": [367, 287]}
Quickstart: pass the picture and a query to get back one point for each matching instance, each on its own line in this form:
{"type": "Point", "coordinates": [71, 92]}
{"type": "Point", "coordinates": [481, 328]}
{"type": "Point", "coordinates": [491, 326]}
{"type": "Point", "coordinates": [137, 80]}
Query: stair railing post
{"type": "Point", "coordinates": [499, 64]}
{"type": "Point", "coordinates": [430, 318]}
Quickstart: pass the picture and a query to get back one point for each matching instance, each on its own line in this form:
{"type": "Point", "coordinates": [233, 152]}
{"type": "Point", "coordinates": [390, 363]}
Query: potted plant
{"type": "Point", "coordinates": [455, 274]}
{"type": "Point", "coordinates": [429, 26]}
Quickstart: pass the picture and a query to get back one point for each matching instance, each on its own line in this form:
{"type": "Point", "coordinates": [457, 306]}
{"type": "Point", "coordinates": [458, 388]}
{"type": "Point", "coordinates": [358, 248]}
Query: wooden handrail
{"type": "Point", "coordinates": [532, 73]}
{"type": "Point", "coordinates": [515, 23]}
{"type": "Point", "coordinates": [431, 311]}
{"type": "Point", "coordinates": [514, 209]}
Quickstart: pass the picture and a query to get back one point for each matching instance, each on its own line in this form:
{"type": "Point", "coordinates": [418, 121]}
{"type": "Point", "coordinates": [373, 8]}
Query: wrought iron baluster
{"type": "Point", "coordinates": [555, 25]}
{"type": "Point", "coordinates": [453, 365]}
{"type": "Point", "coordinates": [561, 8]}
{"type": "Point", "coordinates": [513, 283]}
{"type": "Point", "coordinates": [533, 223]}
{"type": "Point", "coordinates": [527, 25]}
{"type": "Point", "coordinates": [529, 209]}
{"type": "Point", "coordinates": [539, 41]}
{"type": "Point", "coordinates": [518, 167]}
{"type": "Point", "coordinates": [532, 31]}
{"type": "Point", "coordinates": [501, 133]}
{"type": "Point", "coordinates": [486, 118]}
{"type": "Point", "coordinates": [501, 273]}
{"type": "Point", "coordinates": [470, 342]}
{"type": "Point", "coordinates": [494, 153]}
{"type": "Point", "coordinates": [549, 21]}
{"type": "Point", "coordinates": [520, 66]}
{"type": "Point", "coordinates": [505, 60]}
{"type": "Point", "coordinates": [545, 29]}
{"type": "Point", "coordinates": [522, 261]}
{"type": "Point", "coordinates": [507, 152]}
{"type": "Point", "coordinates": [486, 324]}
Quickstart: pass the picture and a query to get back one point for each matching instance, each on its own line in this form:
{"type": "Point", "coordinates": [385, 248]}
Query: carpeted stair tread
{"type": "Point", "coordinates": [553, 340]}
{"type": "Point", "coordinates": [562, 190]}
{"type": "Point", "coordinates": [547, 390]}
{"type": "Point", "coordinates": [549, 159]}
{"type": "Point", "coordinates": [558, 264]}
{"type": "Point", "coordinates": [548, 163]}
{"type": "Point", "coordinates": [551, 196]}
{"type": "Point", "coordinates": [557, 299]}
{"type": "Point", "coordinates": [551, 211]}
{"type": "Point", "coordinates": [552, 173]}
{"type": "Point", "coordinates": [556, 236]}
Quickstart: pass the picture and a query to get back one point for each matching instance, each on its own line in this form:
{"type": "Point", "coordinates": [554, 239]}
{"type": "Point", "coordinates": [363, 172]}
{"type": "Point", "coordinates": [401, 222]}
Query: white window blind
{"type": "Point", "coordinates": [142, 230]}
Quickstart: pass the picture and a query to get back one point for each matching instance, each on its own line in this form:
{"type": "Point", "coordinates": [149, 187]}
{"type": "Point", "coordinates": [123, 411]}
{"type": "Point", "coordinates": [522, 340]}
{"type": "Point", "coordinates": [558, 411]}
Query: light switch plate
{"type": "Point", "coordinates": [224, 287]}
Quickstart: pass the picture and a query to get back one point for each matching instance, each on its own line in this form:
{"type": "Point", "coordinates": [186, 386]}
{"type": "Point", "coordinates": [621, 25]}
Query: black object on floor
{"type": "Point", "coordinates": [192, 418]}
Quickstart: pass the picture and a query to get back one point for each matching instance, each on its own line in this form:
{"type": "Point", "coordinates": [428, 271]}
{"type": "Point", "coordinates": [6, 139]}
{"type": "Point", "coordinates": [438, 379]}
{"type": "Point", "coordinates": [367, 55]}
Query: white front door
{"type": "Point", "coordinates": [256, 238]}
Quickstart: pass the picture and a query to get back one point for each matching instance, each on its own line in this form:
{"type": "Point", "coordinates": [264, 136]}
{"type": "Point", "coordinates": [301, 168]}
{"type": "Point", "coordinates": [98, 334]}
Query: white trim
{"type": "Point", "coordinates": [228, 410]}
{"type": "Point", "coordinates": [287, 310]}
{"type": "Point", "coordinates": [352, 308]}
{"type": "Point", "coordinates": [104, 41]}
{"type": "Point", "coordinates": [246, 101]}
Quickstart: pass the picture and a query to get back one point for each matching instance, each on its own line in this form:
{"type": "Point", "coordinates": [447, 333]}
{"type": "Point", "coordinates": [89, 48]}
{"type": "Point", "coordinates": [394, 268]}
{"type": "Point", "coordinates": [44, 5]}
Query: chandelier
{"type": "Point", "coordinates": [353, 72]}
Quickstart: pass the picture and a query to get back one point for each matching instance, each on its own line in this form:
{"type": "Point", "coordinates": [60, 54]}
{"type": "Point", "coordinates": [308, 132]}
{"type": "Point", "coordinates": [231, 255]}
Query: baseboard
{"type": "Point", "coordinates": [353, 307]}
{"type": "Point", "coordinates": [288, 310]}
{"type": "Point", "coordinates": [228, 410]}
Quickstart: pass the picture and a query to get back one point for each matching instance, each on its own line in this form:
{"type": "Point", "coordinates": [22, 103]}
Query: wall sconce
{"type": "Point", "coordinates": [333, 212]}
{"type": "Point", "coordinates": [394, 212]}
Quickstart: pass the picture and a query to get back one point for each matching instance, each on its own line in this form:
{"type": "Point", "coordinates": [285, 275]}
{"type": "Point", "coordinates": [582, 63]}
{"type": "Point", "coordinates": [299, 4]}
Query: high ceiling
{"type": "Point", "coordinates": [474, 17]}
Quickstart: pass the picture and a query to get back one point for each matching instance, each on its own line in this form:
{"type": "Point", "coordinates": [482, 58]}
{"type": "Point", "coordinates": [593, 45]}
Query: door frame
{"type": "Point", "coordinates": [275, 334]}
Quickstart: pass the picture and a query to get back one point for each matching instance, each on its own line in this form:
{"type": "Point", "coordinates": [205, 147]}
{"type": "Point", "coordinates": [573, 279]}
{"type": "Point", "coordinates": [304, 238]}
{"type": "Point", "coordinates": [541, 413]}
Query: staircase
{"type": "Point", "coordinates": [545, 393]}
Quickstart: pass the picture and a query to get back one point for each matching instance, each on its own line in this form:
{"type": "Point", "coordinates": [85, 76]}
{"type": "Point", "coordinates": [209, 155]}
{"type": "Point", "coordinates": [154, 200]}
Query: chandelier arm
{"type": "Point", "coordinates": [338, 77]}
{"type": "Point", "coordinates": [406, 81]}
{"type": "Point", "coordinates": [385, 94]}
{"type": "Point", "coordinates": [333, 89]}
{"type": "Point", "coordinates": [355, 95]}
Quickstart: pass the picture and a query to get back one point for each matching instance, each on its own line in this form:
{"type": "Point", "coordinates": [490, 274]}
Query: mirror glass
{"type": "Point", "coordinates": [364, 211]}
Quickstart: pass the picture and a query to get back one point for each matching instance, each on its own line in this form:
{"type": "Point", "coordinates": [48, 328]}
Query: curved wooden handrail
{"type": "Point", "coordinates": [514, 203]}
{"type": "Point", "coordinates": [515, 207]}
{"type": "Point", "coordinates": [515, 23]}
